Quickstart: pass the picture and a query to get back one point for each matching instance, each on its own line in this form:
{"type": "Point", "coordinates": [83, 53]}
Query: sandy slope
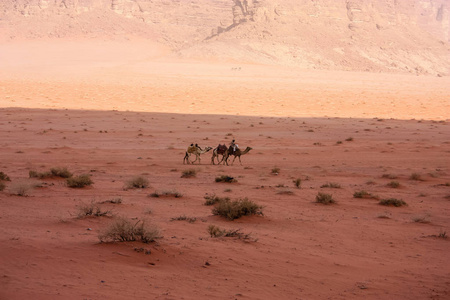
{"type": "Point", "coordinates": [115, 117]}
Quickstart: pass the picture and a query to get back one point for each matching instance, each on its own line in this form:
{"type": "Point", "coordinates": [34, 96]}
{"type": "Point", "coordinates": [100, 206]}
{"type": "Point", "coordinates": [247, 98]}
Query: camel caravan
{"type": "Point", "coordinates": [221, 150]}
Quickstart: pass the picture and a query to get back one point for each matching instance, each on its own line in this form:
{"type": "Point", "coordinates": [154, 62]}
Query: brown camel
{"type": "Point", "coordinates": [194, 150]}
{"type": "Point", "coordinates": [236, 153]}
{"type": "Point", "coordinates": [219, 150]}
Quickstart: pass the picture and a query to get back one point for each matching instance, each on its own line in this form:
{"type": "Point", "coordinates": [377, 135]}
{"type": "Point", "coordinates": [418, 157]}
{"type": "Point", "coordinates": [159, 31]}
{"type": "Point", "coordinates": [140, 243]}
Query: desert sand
{"type": "Point", "coordinates": [116, 109]}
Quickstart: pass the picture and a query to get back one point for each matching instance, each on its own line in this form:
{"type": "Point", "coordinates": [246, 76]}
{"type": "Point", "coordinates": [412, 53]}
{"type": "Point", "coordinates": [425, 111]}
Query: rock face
{"type": "Point", "coordinates": [379, 36]}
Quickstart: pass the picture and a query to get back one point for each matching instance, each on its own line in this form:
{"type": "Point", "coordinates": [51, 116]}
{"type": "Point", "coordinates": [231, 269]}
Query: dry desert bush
{"type": "Point", "coordinates": [169, 193]}
{"type": "Point", "coordinates": [297, 182]}
{"type": "Point", "coordinates": [21, 188]}
{"type": "Point", "coordinates": [79, 181]}
{"type": "Point", "coordinates": [332, 185]}
{"type": "Point", "coordinates": [4, 177]}
{"type": "Point", "coordinates": [122, 229]}
{"type": "Point", "coordinates": [235, 209]}
{"type": "Point", "coordinates": [392, 202]}
{"type": "Point", "coordinates": [364, 194]}
{"type": "Point", "coordinates": [225, 178]}
{"type": "Point", "coordinates": [54, 172]}
{"type": "Point", "coordinates": [91, 210]}
{"type": "Point", "coordinates": [2, 186]}
{"type": "Point", "coordinates": [137, 182]}
{"type": "Point", "coordinates": [213, 199]}
{"type": "Point", "coordinates": [184, 218]}
{"type": "Point", "coordinates": [394, 184]}
{"type": "Point", "coordinates": [188, 173]}
{"type": "Point", "coordinates": [325, 198]}
{"type": "Point", "coordinates": [416, 176]}
{"type": "Point", "coordinates": [215, 231]}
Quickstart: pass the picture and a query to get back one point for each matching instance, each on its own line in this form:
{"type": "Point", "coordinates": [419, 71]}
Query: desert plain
{"type": "Point", "coordinates": [116, 110]}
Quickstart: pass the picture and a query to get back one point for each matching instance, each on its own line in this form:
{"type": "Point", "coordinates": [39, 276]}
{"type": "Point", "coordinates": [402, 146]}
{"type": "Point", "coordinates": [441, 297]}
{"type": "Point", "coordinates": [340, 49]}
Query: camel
{"type": "Point", "coordinates": [195, 150]}
{"type": "Point", "coordinates": [236, 153]}
{"type": "Point", "coordinates": [219, 150]}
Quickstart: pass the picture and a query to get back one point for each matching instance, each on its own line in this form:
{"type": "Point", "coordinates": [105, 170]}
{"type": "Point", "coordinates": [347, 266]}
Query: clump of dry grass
{"type": "Point", "coordinates": [392, 202]}
{"type": "Point", "coordinates": [394, 184]}
{"type": "Point", "coordinates": [184, 218]}
{"type": "Point", "coordinates": [213, 199]}
{"type": "Point", "coordinates": [364, 194]}
{"type": "Point", "coordinates": [124, 230]}
{"type": "Point", "coordinates": [285, 191]}
{"type": "Point", "coordinates": [389, 176]}
{"type": "Point", "coordinates": [4, 177]}
{"type": "Point", "coordinates": [116, 200]}
{"type": "Point", "coordinates": [421, 219]}
{"type": "Point", "coordinates": [225, 178]}
{"type": "Point", "coordinates": [235, 209]}
{"type": "Point", "coordinates": [332, 185]}
{"type": "Point", "coordinates": [297, 182]}
{"type": "Point", "coordinates": [188, 173]}
{"type": "Point", "coordinates": [91, 210]}
{"type": "Point", "coordinates": [137, 182]}
{"type": "Point", "coordinates": [2, 186]}
{"type": "Point", "coordinates": [79, 181]}
{"type": "Point", "coordinates": [215, 232]}
{"type": "Point", "coordinates": [275, 171]}
{"type": "Point", "coordinates": [325, 198]}
{"type": "Point", "coordinates": [21, 188]}
{"type": "Point", "coordinates": [416, 176]}
{"type": "Point", "coordinates": [169, 193]}
{"type": "Point", "coordinates": [54, 172]}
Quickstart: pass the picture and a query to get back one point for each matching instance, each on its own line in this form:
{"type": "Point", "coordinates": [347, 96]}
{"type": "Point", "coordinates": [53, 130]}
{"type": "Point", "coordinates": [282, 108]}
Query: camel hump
{"type": "Point", "coordinates": [222, 147]}
{"type": "Point", "coordinates": [191, 149]}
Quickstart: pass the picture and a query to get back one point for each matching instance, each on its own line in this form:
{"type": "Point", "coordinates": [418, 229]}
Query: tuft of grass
{"type": "Point", "coordinates": [442, 235]}
{"type": "Point", "coordinates": [21, 188]}
{"type": "Point", "coordinates": [325, 198]}
{"type": "Point", "coordinates": [125, 230]}
{"type": "Point", "coordinates": [363, 194]}
{"type": "Point", "coordinates": [215, 232]}
{"type": "Point", "coordinates": [235, 209]}
{"type": "Point", "coordinates": [421, 219]}
{"type": "Point", "coordinates": [225, 178]}
{"type": "Point", "coordinates": [338, 142]}
{"type": "Point", "coordinates": [2, 186]}
{"type": "Point", "coordinates": [416, 176]}
{"type": "Point", "coordinates": [285, 191]}
{"type": "Point", "coordinates": [213, 199]}
{"type": "Point", "coordinates": [332, 185]}
{"type": "Point", "coordinates": [35, 174]}
{"type": "Point", "coordinates": [61, 172]}
{"type": "Point", "coordinates": [350, 139]}
{"type": "Point", "coordinates": [275, 171]}
{"type": "Point", "coordinates": [137, 182]}
{"type": "Point", "coordinates": [297, 182]}
{"type": "Point", "coordinates": [79, 181]}
{"type": "Point", "coordinates": [171, 193]}
{"type": "Point", "coordinates": [4, 177]}
{"type": "Point", "coordinates": [389, 176]}
{"type": "Point", "coordinates": [117, 200]}
{"type": "Point", "coordinates": [394, 184]}
{"type": "Point", "coordinates": [188, 173]}
{"type": "Point", "coordinates": [91, 210]}
{"type": "Point", "coordinates": [392, 202]}
{"type": "Point", "coordinates": [184, 218]}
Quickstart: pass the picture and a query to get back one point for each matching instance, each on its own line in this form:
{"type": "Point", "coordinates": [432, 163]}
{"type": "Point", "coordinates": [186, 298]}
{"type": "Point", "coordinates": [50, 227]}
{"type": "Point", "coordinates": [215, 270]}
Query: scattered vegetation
{"type": "Point", "coordinates": [389, 176]}
{"type": "Point", "coordinates": [364, 194]}
{"type": "Point", "coordinates": [416, 176]}
{"type": "Point", "coordinates": [171, 193]}
{"type": "Point", "coordinates": [350, 139]}
{"type": "Point", "coordinates": [275, 171]}
{"type": "Point", "coordinates": [4, 177]}
{"type": "Point", "coordinates": [285, 191]}
{"type": "Point", "coordinates": [442, 235]}
{"type": "Point", "coordinates": [339, 142]}
{"type": "Point", "coordinates": [421, 219]}
{"type": "Point", "coordinates": [297, 182]}
{"type": "Point", "coordinates": [117, 200]}
{"type": "Point", "coordinates": [79, 181]}
{"type": "Point", "coordinates": [225, 178]}
{"type": "Point", "coordinates": [184, 218]}
{"type": "Point", "coordinates": [324, 198]}
{"type": "Point", "coordinates": [2, 186]}
{"type": "Point", "coordinates": [54, 172]}
{"type": "Point", "coordinates": [91, 210]}
{"type": "Point", "coordinates": [213, 199]}
{"type": "Point", "coordinates": [125, 230]}
{"type": "Point", "coordinates": [215, 231]}
{"type": "Point", "coordinates": [236, 209]}
{"type": "Point", "coordinates": [394, 184]}
{"type": "Point", "coordinates": [392, 202]}
{"type": "Point", "coordinates": [333, 185]}
{"type": "Point", "coordinates": [21, 188]}
{"type": "Point", "coordinates": [188, 173]}
{"type": "Point", "coordinates": [137, 182]}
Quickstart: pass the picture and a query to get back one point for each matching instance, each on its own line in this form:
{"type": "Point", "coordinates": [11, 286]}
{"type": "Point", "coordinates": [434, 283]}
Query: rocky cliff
{"type": "Point", "coordinates": [379, 36]}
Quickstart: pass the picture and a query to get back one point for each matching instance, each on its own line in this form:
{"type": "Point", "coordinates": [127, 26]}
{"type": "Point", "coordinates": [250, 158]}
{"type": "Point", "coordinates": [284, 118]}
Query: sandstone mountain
{"type": "Point", "coordinates": [377, 36]}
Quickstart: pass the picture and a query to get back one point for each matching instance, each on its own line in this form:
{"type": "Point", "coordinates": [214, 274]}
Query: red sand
{"type": "Point", "coordinates": [121, 117]}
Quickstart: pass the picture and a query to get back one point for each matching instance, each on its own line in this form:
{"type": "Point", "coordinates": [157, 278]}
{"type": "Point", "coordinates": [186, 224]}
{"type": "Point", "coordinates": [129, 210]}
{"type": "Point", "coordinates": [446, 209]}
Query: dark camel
{"type": "Point", "coordinates": [236, 154]}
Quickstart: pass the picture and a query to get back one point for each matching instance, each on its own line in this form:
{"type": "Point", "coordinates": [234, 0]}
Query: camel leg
{"type": "Point", "coordinates": [233, 160]}
{"type": "Point", "coordinates": [212, 158]}
{"type": "Point", "coordinates": [196, 156]}
{"type": "Point", "coordinates": [240, 160]}
{"type": "Point", "coordinates": [186, 158]}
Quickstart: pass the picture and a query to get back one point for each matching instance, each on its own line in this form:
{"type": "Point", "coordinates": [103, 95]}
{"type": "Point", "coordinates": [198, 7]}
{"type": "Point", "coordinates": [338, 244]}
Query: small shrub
{"type": "Point", "coordinates": [188, 173]}
{"type": "Point", "coordinates": [325, 198]}
{"type": "Point", "coordinates": [91, 210]}
{"type": "Point", "coordinates": [394, 184]}
{"type": "Point", "coordinates": [389, 176]}
{"type": "Point", "coordinates": [392, 202]}
{"type": "Point", "coordinates": [21, 188]}
{"type": "Point", "coordinates": [184, 218]}
{"type": "Point", "coordinates": [79, 181]}
{"type": "Point", "coordinates": [350, 139]}
{"type": "Point", "coordinates": [275, 171]}
{"type": "Point", "coordinates": [213, 199]}
{"type": "Point", "coordinates": [285, 192]}
{"type": "Point", "coordinates": [442, 235]}
{"type": "Point", "coordinates": [124, 230]}
{"type": "Point", "coordinates": [235, 209]}
{"type": "Point", "coordinates": [416, 176]}
{"type": "Point", "coordinates": [61, 172]}
{"type": "Point", "coordinates": [421, 219]}
{"type": "Point", "coordinates": [339, 142]}
{"type": "Point", "coordinates": [35, 174]}
{"type": "Point", "coordinates": [2, 186]}
{"type": "Point", "coordinates": [215, 231]}
{"type": "Point", "coordinates": [137, 182]}
{"type": "Point", "coordinates": [4, 177]}
{"type": "Point", "coordinates": [117, 200]}
{"type": "Point", "coordinates": [332, 185]}
{"type": "Point", "coordinates": [171, 193]}
{"type": "Point", "coordinates": [297, 182]}
{"type": "Point", "coordinates": [363, 194]}
{"type": "Point", "coordinates": [225, 178]}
